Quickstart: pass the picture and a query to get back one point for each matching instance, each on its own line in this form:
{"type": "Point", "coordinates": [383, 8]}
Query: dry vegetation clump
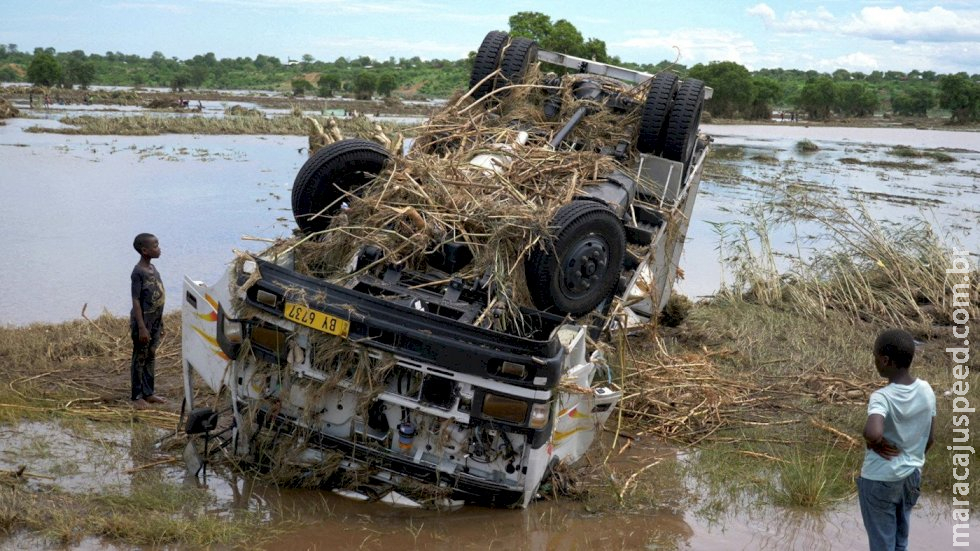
{"type": "Point", "coordinates": [435, 195]}
{"type": "Point", "coordinates": [884, 274]}
{"type": "Point", "coordinates": [239, 111]}
{"type": "Point", "coordinates": [806, 146]}
{"type": "Point", "coordinates": [935, 154]}
{"type": "Point", "coordinates": [7, 110]}
{"type": "Point", "coordinates": [80, 368]}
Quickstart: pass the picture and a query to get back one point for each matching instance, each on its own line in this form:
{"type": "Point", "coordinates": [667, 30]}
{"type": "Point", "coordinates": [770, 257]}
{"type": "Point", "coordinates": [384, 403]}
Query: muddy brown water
{"type": "Point", "coordinates": [321, 520]}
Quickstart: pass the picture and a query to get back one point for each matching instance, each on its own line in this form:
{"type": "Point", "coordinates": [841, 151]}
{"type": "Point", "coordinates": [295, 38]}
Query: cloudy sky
{"type": "Point", "coordinates": [851, 34]}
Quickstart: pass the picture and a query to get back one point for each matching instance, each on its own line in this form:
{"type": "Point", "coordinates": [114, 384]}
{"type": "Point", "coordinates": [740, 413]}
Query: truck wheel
{"type": "Point", "coordinates": [331, 173]}
{"type": "Point", "coordinates": [653, 122]}
{"type": "Point", "coordinates": [486, 61]}
{"type": "Point", "coordinates": [517, 58]}
{"type": "Point", "coordinates": [682, 125]}
{"type": "Point", "coordinates": [579, 265]}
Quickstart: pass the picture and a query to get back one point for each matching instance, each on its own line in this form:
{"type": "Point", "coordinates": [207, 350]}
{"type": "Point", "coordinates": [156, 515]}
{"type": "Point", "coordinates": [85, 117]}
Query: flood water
{"type": "Point", "coordinates": [103, 461]}
{"type": "Point", "coordinates": [72, 204]}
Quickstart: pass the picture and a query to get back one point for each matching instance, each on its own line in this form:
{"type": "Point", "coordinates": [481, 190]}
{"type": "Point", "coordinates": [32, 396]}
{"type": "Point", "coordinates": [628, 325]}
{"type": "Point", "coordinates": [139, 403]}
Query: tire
{"type": "Point", "coordinates": [486, 61]}
{"type": "Point", "coordinates": [682, 125]}
{"type": "Point", "coordinates": [656, 110]}
{"type": "Point", "coordinates": [517, 58]}
{"type": "Point", "coordinates": [331, 173]}
{"type": "Point", "coordinates": [557, 278]}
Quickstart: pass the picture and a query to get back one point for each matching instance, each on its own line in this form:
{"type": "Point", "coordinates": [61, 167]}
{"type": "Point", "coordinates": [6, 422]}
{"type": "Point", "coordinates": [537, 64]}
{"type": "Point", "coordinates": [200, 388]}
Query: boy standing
{"type": "Point", "coordinates": [899, 431]}
{"type": "Point", "coordinates": [145, 320]}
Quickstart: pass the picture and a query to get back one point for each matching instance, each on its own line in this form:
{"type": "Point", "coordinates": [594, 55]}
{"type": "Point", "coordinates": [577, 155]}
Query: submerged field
{"type": "Point", "coordinates": [741, 423]}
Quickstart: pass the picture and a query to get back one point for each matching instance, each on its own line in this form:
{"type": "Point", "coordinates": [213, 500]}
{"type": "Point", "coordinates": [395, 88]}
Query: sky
{"type": "Point", "coordinates": [857, 35]}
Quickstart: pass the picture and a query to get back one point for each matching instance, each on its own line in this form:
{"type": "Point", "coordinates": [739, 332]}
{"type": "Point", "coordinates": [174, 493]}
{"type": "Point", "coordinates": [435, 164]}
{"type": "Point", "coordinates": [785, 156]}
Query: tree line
{"type": "Point", "coordinates": [738, 92]}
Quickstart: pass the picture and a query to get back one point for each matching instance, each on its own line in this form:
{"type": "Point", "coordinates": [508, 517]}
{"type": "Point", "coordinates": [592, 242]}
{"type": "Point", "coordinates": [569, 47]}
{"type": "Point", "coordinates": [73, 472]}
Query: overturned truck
{"type": "Point", "coordinates": [436, 329]}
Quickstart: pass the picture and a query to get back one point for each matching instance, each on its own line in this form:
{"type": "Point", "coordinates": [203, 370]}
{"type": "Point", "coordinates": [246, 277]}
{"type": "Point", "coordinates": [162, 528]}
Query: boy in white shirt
{"type": "Point", "coordinates": [899, 431]}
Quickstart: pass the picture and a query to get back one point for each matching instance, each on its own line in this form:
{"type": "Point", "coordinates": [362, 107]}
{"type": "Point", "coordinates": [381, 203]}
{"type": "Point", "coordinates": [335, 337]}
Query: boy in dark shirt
{"type": "Point", "coordinates": [145, 320]}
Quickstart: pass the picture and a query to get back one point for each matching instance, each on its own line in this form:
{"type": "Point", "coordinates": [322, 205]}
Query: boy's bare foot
{"type": "Point", "coordinates": [154, 399]}
{"type": "Point", "coordinates": [140, 404]}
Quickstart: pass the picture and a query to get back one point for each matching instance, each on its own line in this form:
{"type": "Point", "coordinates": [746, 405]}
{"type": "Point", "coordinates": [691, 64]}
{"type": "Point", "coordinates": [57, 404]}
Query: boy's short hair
{"type": "Point", "coordinates": [897, 345]}
{"type": "Point", "coordinates": [142, 240]}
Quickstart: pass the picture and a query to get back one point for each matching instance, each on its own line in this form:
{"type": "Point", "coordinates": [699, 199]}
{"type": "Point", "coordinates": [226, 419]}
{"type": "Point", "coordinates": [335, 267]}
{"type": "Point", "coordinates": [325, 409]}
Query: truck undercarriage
{"type": "Point", "coordinates": [426, 379]}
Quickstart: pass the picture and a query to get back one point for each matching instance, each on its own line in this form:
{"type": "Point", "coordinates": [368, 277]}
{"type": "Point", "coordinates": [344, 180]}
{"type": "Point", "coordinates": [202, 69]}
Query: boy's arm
{"type": "Point", "coordinates": [144, 333]}
{"type": "Point", "coordinates": [932, 434]}
{"type": "Point", "coordinates": [137, 286]}
{"type": "Point", "coordinates": [874, 436]}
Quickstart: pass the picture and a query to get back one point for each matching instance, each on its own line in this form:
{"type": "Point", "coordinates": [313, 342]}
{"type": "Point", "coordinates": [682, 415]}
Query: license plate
{"type": "Point", "coordinates": [321, 321]}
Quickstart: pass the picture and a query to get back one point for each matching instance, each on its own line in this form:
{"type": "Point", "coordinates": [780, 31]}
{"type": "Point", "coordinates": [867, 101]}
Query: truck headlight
{"type": "Point", "coordinates": [507, 409]}
{"type": "Point", "coordinates": [232, 331]}
{"type": "Point", "coordinates": [230, 334]}
{"type": "Point", "coordinates": [539, 415]}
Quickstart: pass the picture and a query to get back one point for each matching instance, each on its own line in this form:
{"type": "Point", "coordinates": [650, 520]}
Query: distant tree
{"type": "Point", "coordinates": [198, 74]}
{"type": "Point", "coordinates": [961, 96]}
{"type": "Point", "coordinates": [563, 37]}
{"type": "Point", "coordinates": [387, 84]}
{"type": "Point", "coordinates": [929, 75]}
{"type": "Point", "coordinates": [139, 79]}
{"type": "Point", "coordinates": [530, 24]}
{"type": "Point", "coordinates": [841, 74]}
{"type": "Point", "coordinates": [595, 49]}
{"type": "Point", "coordinates": [8, 74]}
{"type": "Point", "coordinates": [765, 93]}
{"type": "Point", "coordinates": [857, 99]}
{"type": "Point", "coordinates": [266, 62]}
{"type": "Point", "coordinates": [80, 71]}
{"type": "Point", "coordinates": [327, 85]}
{"type": "Point", "coordinates": [44, 70]}
{"type": "Point", "coordinates": [560, 36]}
{"type": "Point", "coordinates": [157, 59]}
{"type": "Point", "coordinates": [817, 97]}
{"type": "Point", "coordinates": [301, 86]}
{"type": "Point", "coordinates": [180, 81]}
{"type": "Point", "coordinates": [732, 86]}
{"type": "Point", "coordinates": [364, 85]}
{"type": "Point", "coordinates": [308, 60]}
{"type": "Point", "coordinates": [914, 102]}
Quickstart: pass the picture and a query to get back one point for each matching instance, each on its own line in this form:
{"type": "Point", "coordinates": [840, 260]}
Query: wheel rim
{"type": "Point", "coordinates": [584, 265]}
